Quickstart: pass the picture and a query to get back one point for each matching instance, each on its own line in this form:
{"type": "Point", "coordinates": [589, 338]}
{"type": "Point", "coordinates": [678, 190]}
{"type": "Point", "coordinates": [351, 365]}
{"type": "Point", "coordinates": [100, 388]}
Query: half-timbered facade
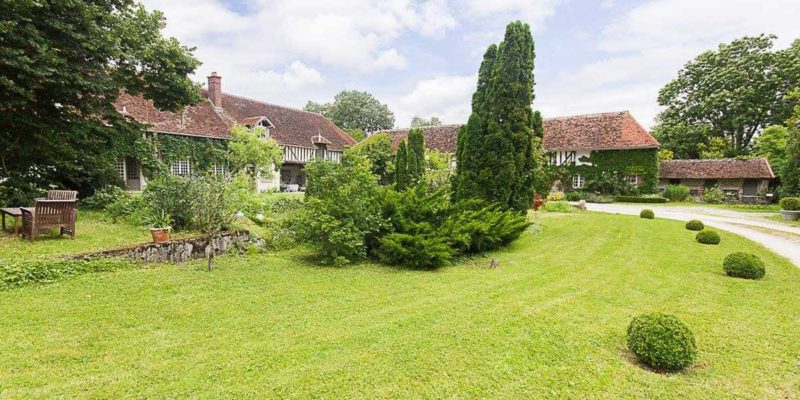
{"type": "Point", "coordinates": [302, 135]}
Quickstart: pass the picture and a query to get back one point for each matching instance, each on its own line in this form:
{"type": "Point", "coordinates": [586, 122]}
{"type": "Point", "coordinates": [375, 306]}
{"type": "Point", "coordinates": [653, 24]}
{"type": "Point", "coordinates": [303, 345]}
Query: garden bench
{"type": "Point", "coordinates": [48, 214]}
{"type": "Point", "coordinates": [14, 212]}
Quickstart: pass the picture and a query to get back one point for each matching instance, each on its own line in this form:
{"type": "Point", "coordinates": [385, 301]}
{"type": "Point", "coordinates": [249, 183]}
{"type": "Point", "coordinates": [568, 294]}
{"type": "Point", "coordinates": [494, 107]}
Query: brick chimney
{"type": "Point", "coordinates": [215, 89]}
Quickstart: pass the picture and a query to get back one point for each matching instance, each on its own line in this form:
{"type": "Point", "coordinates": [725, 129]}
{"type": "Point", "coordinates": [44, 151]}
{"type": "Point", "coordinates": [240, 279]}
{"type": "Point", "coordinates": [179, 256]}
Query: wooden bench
{"type": "Point", "coordinates": [14, 212]}
{"type": "Point", "coordinates": [49, 214]}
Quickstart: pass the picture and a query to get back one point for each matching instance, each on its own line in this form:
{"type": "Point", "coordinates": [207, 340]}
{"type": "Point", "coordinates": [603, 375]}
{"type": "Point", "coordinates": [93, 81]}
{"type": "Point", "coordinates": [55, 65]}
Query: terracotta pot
{"type": "Point", "coordinates": [160, 235]}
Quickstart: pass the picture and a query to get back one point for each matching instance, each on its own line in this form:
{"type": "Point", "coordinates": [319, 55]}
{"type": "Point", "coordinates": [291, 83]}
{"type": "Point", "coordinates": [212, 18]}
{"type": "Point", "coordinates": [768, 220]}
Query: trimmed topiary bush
{"type": "Point", "coordinates": [708, 236]}
{"type": "Point", "coordinates": [647, 213]}
{"type": "Point", "coordinates": [661, 341]}
{"type": "Point", "coordinates": [744, 265]}
{"type": "Point", "coordinates": [790, 203]}
{"type": "Point", "coordinates": [695, 225]}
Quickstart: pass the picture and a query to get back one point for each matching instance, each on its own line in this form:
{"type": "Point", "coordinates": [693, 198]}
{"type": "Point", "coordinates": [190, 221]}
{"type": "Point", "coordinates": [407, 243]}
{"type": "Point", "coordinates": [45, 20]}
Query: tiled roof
{"type": "Point", "coordinates": [291, 126]}
{"type": "Point", "coordinates": [442, 138]}
{"type": "Point", "coordinates": [605, 131]}
{"type": "Point", "coordinates": [727, 168]}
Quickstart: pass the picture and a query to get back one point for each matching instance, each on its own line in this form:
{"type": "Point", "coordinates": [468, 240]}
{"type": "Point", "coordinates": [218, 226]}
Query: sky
{"type": "Point", "coordinates": [421, 57]}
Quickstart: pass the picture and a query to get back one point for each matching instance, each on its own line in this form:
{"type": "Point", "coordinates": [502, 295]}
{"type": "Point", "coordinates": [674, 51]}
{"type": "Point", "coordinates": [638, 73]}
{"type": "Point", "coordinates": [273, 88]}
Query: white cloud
{"type": "Point", "coordinates": [533, 12]}
{"type": "Point", "coordinates": [645, 48]}
{"type": "Point", "coordinates": [447, 97]}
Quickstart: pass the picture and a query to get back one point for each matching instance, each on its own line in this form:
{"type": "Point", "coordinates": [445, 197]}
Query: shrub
{"type": "Point", "coordinates": [661, 341]}
{"type": "Point", "coordinates": [576, 196]}
{"type": "Point", "coordinates": [708, 236]}
{"type": "Point", "coordinates": [713, 195]}
{"type": "Point", "coordinates": [556, 196]}
{"type": "Point", "coordinates": [557, 206]}
{"type": "Point", "coordinates": [676, 193]}
{"type": "Point", "coordinates": [103, 197]}
{"type": "Point", "coordinates": [172, 195]}
{"type": "Point", "coordinates": [417, 251]}
{"type": "Point", "coordinates": [640, 199]}
{"type": "Point", "coordinates": [599, 198]}
{"type": "Point", "coordinates": [647, 214]}
{"type": "Point", "coordinates": [342, 208]}
{"type": "Point", "coordinates": [790, 203]}
{"type": "Point", "coordinates": [129, 208]}
{"type": "Point", "coordinates": [744, 265]}
{"type": "Point", "coordinates": [695, 225]}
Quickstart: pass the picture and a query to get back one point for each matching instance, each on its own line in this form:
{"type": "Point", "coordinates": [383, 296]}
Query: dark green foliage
{"type": "Point", "coordinates": [401, 167]}
{"type": "Point", "coordinates": [417, 251]}
{"type": "Point", "coordinates": [378, 150]}
{"type": "Point", "coordinates": [22, 272]}
{"type": "Point", "coordinates": [790, 203]}
{"type": "Point", "coordinates": [647, 214]}
{"type": "Point", "coordinates": [171, 195]}
{"type": "Point", "coordinates": [64, 64]}
{"type": "Point", "coordinates": [352, 109]}
{"type": "Point", "coordinates": [676, 193]}
{"type": "Point", "coordinates": [496, 153]}
{"type": "Point", "coordinates": [476, 227]}
{"type": "Point", "coordinates": [708, 236]}
{"type": "Point", "coordinates": [744, 265]}
{"type": "Point", "coordinates": [713, 195]}
{"type": "Point", "coordinates": [790, 176]}
{"type": "Point", "coordinates": [576, 196]}
{"type": "Point", "coordinates": [640, 199]}
{"type": "Point", "coordinates": [661, 341]}
{"type": "Point", "coordinates": [102, 198]}
{"type": "Point", "coordinates": [599, 198]}
{"type": "Point", "coordinates": [695, 225]}
{"type": "Point", "coordinates": [538, 125]}
{"type": "Point", "coordinates": [342, 208]}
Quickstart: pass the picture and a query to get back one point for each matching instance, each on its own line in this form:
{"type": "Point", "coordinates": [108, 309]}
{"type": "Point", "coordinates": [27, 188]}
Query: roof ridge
{"type": "Point", "coordinates": [269, 104]}
{"type": "Point", "coordinates": [718, 159]}
{"type": "Point", "coordinates": [423, 127]}
{"type": "Point", "coordinates": [587, 115]}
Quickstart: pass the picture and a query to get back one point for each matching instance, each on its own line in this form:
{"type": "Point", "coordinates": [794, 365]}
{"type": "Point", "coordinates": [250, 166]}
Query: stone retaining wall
{"type": "Point", "coordinates": [177, 250]}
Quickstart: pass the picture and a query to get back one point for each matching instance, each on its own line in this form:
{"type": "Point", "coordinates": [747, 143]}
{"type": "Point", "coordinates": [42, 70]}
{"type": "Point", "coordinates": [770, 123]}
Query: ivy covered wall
{"type": "Point", "coordinates": [608, 171]}
{"type": "Point", "coordinates": [156, 152]}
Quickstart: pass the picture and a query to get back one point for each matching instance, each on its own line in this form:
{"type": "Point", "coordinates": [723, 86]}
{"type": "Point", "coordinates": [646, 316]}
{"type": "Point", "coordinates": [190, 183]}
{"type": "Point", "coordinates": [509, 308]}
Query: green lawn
{"type": "Point", "coordinates": [549, 322]}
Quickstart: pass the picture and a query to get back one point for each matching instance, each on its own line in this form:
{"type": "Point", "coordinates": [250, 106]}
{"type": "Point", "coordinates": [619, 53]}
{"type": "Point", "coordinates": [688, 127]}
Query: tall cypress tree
{"type": "Point", "coordinates": [401, 167]}
{"type": "Point", "coordinates": [538, 125]}
{"type": "Point", "coordinates": [497, 147]}
{"type": "Point", "coordinates": [415, 155]}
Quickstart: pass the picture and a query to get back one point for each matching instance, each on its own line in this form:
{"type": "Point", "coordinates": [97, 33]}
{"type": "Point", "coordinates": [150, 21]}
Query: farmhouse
{"type": "Point", "coordinates": [302, 135]}
{"type": "Point", "coordinates": [581, 148]}
{"type": "Point", "coordinates": [745, 180]}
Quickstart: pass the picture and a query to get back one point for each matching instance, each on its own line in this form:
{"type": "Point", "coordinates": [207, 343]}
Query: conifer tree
{"type": "Point", "coordinates": [496, 150]}
{"type": "Point", "coordinates": [401, 167]}
{"type": "Point", "coordinates": [415, 156]}
{"type": "Point", "coordinates": [538, 125]}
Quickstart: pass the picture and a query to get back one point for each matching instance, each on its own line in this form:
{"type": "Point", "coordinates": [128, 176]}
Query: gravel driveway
{"type": "Point", "coordinates": [780, 238]}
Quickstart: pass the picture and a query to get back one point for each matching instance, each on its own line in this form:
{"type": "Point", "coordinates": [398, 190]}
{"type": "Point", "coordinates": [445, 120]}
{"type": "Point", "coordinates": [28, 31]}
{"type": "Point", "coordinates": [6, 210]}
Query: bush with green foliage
{"type": "Point", "coordinates": [647, 214]}
{"type": "Point", "coordinates": [130, 208]}
{"type": "Point", "coordinates": [172, 195]}
{"type": "Point", "coordinates": [790, 203]}
{"type": "Point", "coordinates": [713, 195]}
{"type": "Point", "coordinates": [103, 197]}
{"type": "Point", "coordinates": [378, 149]}
{"type": "Point", "coordinates": [708, 236]}
{"type": "Point", "coordinates": [695, 225]}
{"type": "Point", "coordinates": [676, 193]}
{"type": "Point", "coordinates": [744, 265]}
{"type": "Point", "coordinates": [342, 208]}
{"type": "Point", "coordinates": [557, 206]}
{"type": "Point", "coordinates": [599, 198]}
{"type": "Point", "coordinates": [640, 199]}
{"type": "Point", "coordinates": [417, 251]}
{"type": "Point", "coordinates": [556, 196]}
{"type": "Point", "coordinates": [576, 196]}
{"type": "Point", "coordinates": [661, 341]}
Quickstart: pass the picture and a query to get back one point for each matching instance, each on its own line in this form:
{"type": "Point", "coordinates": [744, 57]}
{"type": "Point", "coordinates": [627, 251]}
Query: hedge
{"type": "Point", "coordinates": [640, 199]}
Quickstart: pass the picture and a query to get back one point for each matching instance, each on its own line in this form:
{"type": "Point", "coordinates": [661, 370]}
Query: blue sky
{"type": "Point", "coordinates": [421, 57]}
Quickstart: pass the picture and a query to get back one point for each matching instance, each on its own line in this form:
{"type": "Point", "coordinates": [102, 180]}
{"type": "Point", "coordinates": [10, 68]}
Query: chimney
{"type": "Point", "coordinates": [215, 89]}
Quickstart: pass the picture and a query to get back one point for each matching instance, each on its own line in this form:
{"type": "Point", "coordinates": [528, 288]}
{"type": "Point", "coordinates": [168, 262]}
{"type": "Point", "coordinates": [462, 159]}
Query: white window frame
{"type": "Point", "coordinates": [633, 179]}
{"type": "Point", "coordinates": [122, 169]}
{"type": "Point", "coordinates": [219, 169]}
{"type": "Point", "coordinates": [181, 168]}
{"type": "Point", "coordinates": [578, 181]}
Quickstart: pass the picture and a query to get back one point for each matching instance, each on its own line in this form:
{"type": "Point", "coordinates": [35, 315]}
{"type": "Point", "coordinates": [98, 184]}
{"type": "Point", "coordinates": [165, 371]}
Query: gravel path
{"type": "Point", "coordinates": [780, 238]}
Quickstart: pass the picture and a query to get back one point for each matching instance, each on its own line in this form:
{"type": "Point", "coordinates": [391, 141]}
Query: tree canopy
{"type": "Point", "coordinates": [410, 164]}
{"type": "Point", "coordinates": [352, 110]}
{"type": "Point", "coordinates": [378, 149]}
{"type": "Point", "coordinates": [418, 122]}
{"type": "Point", "coordinates": [732, 93]}
{"type": "Point", "coordinates": [496, 154]}
{"type": "Point", "coordinates": [63, 65]}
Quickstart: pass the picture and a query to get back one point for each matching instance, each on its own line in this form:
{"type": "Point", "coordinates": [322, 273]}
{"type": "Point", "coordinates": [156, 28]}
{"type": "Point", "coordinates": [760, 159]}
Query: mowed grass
{"type": "Point", "coordinates": [549, 322]}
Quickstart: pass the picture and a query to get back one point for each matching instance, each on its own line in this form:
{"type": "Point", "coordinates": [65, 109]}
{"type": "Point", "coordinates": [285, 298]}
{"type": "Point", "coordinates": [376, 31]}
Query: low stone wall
{"type": "Point", "coordinates": [177, 250]}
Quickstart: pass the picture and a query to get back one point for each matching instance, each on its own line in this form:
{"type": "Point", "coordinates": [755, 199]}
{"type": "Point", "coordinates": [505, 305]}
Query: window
{"type": "Point", "coordinates": [121, 168]}
{"type": "Point", "coordinates": [219, 169]}
{"type": "Point", "coordinates": [577, 181]}
{"type": "Point", "coordinates": [180, 168]}
{"type": "Point", "coordinates": [633, 179]}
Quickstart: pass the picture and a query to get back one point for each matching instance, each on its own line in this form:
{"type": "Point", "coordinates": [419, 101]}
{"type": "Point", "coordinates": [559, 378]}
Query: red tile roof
{"type": "Point", "coordinates": [605, 131]}
{"type": "Point", "coordinates": [727, 168]}
{"type": "Point", "coordinates": [291, 126]}
{"type": "Point", "coordinates": [442, 138]}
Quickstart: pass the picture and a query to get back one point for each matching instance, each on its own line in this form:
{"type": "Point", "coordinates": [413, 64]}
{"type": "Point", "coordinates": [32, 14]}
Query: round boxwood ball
{"type": "Point", "coordinates": [661, 341]}
{"type": "Point", "coordinates": [647, 213]}
{"type": "Point", "coordinates": [708, 236]}
{"type": "Point", "coordinates": [695, 225]}
{"type": "Point", "coordinates": [744, 265]}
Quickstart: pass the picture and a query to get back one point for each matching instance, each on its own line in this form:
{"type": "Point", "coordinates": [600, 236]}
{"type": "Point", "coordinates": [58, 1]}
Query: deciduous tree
{"type": "Point", "coordinates": [352, 109]}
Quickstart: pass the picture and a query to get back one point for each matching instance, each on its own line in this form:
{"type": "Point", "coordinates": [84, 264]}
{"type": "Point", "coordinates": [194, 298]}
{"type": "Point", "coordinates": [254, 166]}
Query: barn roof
{"type": "Point", "coordinates": [727, 168]}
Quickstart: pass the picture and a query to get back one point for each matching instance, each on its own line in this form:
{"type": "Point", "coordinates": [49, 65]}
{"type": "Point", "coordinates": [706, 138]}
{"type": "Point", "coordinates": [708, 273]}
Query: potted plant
{"type": "Point", "coordinates": [790, 208]}
{"type": "Point", "coordinates": [160, 226]}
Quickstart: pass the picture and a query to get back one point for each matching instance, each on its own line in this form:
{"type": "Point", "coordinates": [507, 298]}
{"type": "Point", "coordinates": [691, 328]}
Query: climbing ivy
{"type": "Point", "coordinates": [608, 170]}
{"type": "Point", "coordinates": [156, 152]}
